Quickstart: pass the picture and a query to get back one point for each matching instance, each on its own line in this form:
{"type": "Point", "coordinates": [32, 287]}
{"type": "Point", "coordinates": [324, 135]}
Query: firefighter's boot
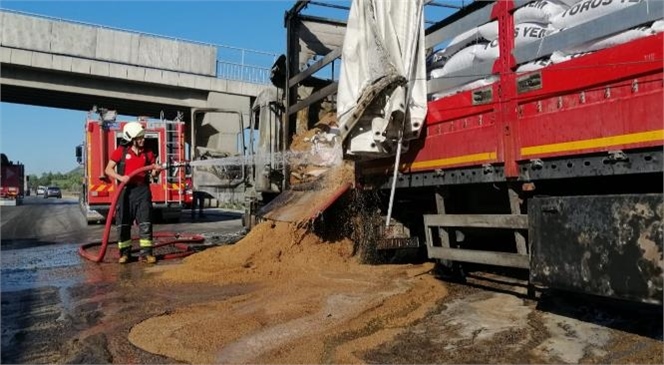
{"type": "Point", "coordinates": [148, 256]}
{"type": "Point", "coordinates": [125, 255]}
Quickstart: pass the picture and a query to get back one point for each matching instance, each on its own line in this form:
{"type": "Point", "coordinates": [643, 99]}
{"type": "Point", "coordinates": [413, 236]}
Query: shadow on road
{"type": "Point", "coordinates": [209, 216]}
{"type": "Point", "coordinates": [632, 317]}
{"type": "Point", "coordinates": [61, 202]}
{"type": "Point", "coordinates": [186, 217]}
{"type": "Point", "coordinates": [638, 318]}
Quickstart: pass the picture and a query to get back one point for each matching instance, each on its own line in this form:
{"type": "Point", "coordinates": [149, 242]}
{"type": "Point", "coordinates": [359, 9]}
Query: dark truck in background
{"type": "Point", "coordinates": [13, 182]}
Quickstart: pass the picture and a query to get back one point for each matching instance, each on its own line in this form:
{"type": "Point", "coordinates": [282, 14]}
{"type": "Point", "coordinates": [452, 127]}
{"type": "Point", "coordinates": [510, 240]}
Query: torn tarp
{"type": "Point", "coordinates": [383, 56]}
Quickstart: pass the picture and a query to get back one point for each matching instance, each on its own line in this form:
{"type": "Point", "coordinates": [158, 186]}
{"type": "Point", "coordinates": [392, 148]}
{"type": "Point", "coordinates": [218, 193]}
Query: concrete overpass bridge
{"type": "Point", "coordinates": [64, 64]}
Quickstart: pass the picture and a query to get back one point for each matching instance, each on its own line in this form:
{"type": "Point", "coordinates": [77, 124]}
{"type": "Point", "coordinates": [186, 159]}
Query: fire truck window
{"type": "Point", "coordinates": [152, 144]}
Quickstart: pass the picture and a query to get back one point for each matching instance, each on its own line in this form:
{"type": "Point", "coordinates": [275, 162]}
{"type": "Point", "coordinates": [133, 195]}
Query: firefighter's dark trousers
{"type": "Point", "coordinates": [135, 203]}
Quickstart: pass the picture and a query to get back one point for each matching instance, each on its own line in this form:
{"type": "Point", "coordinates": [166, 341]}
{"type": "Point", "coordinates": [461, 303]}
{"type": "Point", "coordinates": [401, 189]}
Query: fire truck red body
{"type": "Point", "coordinates": [12, 178]}
{"type": "Point", "coordinates": [164, 138]}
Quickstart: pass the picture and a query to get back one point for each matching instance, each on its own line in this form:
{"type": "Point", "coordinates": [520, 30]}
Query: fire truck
{"type": "Point", "coordinates": [13, 181]}
{"type": "Point", "coordinates": [545, 158]}
{"type": "Point", "coordinates": [103, 134]}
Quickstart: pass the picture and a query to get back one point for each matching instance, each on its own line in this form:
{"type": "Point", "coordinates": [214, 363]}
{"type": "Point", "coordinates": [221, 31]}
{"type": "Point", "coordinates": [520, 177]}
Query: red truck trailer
{"type": "Point", "coordinates": [12, 182]}
{"type": "Point", "coordinates": [533, 159]}
{"type": "Point", "coordinates": [102, 136]}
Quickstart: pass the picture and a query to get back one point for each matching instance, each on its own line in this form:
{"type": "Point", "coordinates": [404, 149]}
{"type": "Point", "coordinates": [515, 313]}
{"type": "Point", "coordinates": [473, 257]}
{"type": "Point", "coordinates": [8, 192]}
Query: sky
{"type": "Point", "coordinates": [44, 139]}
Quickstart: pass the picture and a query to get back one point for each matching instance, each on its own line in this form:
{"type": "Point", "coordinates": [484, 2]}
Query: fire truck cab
{"type": "Point", "coordinates": [165, 138]}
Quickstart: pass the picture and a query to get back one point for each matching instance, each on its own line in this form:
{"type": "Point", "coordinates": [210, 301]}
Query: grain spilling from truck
{"type": "Point", "coordinates": [307, 288]}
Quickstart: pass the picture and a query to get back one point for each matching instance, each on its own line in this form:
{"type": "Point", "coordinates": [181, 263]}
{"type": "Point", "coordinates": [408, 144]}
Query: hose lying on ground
{"type": "Point", "coordinates": [180, 241]}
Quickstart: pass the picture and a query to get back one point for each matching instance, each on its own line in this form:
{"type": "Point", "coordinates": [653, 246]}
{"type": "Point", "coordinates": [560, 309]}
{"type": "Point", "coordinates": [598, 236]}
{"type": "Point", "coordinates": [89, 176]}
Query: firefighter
{"type": "Point", "coordinates": [135, 202]}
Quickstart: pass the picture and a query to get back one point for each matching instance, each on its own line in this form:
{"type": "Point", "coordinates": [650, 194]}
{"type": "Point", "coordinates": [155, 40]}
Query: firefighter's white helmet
{"type": "Point", "coordinates": [132, 130]}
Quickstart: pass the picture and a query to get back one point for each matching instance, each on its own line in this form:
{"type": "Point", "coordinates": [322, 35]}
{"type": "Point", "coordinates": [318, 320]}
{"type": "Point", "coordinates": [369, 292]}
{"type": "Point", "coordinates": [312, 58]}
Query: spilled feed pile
{"type": "Point", "coordinates": [307, 298]}
{"type": "Point", "coordinates": [272, 250]}
{"type": "Point", "coordinates": [309, 301]}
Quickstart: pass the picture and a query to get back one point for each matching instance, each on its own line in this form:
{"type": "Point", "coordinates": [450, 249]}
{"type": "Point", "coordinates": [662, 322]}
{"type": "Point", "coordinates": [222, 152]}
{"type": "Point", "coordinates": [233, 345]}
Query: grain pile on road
{"type": "Point", "coordinates": [312, 302]}
{"type": "Point", "coordinates": [310, 299]}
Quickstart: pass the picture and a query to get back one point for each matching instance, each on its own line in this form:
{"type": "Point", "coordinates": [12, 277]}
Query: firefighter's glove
{"type": "Point", "coordinates": [156, 169]}
{"type": "Point", "coordinates": [154, 173]}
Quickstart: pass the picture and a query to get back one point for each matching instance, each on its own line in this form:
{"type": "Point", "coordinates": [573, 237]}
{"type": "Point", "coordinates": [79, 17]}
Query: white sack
{"type": "Point", "coordinates": [560, 57]}
{"type": "Point", "coordinates": [569, 2]}
{"type": "Point", "coordinates": [541, 11]}
{"type": "Point", "coordinates": [588, 10]}
{"type": "Point", "coordinates": [463, 59]}
{"type": "Point", "coordinates": [613, 40]}
{"type": "Point", "coordinates": [488, 52]}
{"type": "Point", "coordinates": [482, 34]}
{"type": "Point", "coordinates": [534, 65]}
{"type": "Point", "coordinates": [658, 26]}
{"type": "Point", "coordinates": [489, 31]}
{"type": "Point", "coordinates": [461, 41]}
{"type": "Point", "coordinates": [523, 34]}
{"type": "Point", "coordinates": [384, 38]}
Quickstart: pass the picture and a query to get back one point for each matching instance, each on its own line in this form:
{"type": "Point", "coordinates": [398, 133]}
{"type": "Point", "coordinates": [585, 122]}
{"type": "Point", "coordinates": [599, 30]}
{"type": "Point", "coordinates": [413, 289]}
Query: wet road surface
{"type": "Point", "coordinates": [59, 308]}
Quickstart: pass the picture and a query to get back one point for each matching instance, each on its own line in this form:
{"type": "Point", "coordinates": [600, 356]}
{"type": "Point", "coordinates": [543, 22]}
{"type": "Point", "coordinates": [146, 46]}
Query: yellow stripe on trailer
{"type": "Point", "coordinates": [438, 163]}
{"type": "Point", "coordinates": [624, 139]}
{"type": "Point", "coordinates": [486, 156]}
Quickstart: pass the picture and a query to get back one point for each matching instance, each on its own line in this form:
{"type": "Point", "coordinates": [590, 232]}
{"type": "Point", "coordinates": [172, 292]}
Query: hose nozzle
{"type": "Point", "coordinates": [175, 164]}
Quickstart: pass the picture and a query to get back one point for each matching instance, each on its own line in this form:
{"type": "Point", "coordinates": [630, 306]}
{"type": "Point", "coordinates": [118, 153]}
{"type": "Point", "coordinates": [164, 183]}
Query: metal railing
{"type": "Point", "coordinates": [233, 63]}
{"type": "Point", "coordinates": [246, 65]}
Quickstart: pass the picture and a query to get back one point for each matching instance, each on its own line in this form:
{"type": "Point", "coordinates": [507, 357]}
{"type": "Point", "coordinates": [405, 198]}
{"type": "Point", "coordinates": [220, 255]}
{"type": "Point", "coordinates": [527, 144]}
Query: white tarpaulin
{"type": "Point", "coordinates": [383, 47]}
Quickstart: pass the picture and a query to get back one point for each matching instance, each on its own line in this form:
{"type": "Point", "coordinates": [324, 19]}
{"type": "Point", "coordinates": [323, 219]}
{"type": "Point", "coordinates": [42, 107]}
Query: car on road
{"type": "Point", "coordinates": [41, 190]}
{"type": "Point", "coordinates": [52, 191]}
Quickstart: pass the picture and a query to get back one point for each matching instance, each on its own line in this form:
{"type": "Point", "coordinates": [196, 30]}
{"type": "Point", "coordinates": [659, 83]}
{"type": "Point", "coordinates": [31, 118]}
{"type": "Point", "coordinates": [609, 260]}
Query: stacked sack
{"type": "Point", "coordinates": [533, 21]}
{"type": "Point", "coordinates": [479, 45]}
{"type": "Point", "coordinates": [583, 11]}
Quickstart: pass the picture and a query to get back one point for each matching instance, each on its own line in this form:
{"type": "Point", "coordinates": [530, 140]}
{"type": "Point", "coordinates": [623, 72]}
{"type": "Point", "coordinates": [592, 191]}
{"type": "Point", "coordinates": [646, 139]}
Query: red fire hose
{"type": "Point", "coordinates": [180, 241]}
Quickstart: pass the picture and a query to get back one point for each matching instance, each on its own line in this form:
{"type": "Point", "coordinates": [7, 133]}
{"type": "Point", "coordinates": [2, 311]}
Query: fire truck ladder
{"type": "Point", "coordinates": [174, 155]}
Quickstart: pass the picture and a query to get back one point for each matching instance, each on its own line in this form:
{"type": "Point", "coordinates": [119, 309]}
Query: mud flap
{"type": "Point", "coordinates": [603, 245]}
{"type": "Point", "coordinates": [302, 203]}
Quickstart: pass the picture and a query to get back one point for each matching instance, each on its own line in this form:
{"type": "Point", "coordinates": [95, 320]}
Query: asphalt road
{"type": "Point", "coordinates": [60, 308]}
{"type": "Point", "coordinates": [43, 221]}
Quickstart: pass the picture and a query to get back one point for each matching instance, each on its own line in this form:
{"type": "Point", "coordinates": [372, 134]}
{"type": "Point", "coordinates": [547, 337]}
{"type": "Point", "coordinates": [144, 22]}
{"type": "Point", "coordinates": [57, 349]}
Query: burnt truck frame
{"type": "Point", "coordinates": [586, 219]}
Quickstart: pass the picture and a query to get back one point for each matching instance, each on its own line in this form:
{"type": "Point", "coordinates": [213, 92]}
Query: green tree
{"type": "Point", "coordinates": [70, 181]}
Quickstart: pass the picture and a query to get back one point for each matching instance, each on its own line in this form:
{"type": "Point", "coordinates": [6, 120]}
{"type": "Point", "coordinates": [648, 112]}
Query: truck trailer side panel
{"type": "Point", "coordinates": [585, 132]}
